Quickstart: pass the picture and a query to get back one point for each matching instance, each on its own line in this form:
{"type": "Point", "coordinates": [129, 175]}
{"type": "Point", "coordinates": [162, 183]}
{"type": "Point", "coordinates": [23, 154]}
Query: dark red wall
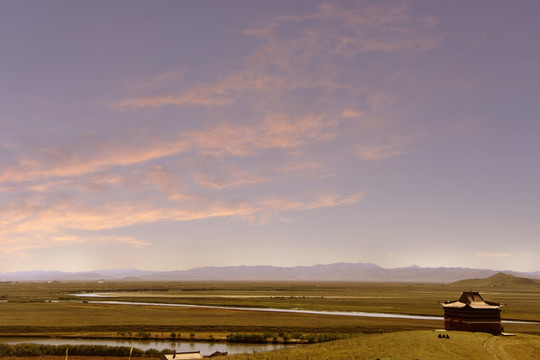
{"type": "Point", "coordinates": [481, 320]}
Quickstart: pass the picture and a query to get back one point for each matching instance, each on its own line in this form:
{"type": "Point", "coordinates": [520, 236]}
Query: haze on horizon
{"type": "Point", "coordinates": [169, 135]}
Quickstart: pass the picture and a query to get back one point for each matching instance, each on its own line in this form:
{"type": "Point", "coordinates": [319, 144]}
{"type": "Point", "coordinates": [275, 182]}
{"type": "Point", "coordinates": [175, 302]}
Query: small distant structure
{"type": "Point", "coordinates": [472, 313]}
{"type": "Point", "coordinates": [186, 355]}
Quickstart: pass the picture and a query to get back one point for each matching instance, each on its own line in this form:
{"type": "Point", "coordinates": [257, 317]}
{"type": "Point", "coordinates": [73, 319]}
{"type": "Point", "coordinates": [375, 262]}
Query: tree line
{"type": "Point", "coordinates": [285, 337]}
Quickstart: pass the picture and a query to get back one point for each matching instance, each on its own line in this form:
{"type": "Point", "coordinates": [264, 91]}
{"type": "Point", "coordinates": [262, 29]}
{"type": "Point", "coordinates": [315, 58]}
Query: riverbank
{"type": "Point", "coordinates": [28, 346]}
{"type": "Point", "coordinates": [282, 338]}
{"type": "Point", "coordinates": [399, 345]}
{"type": "Point", "coordinates": [152, 336]}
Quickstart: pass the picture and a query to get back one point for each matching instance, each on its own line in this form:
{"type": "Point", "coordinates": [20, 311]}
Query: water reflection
{"type": "Point", "coordinates": [206, 348]}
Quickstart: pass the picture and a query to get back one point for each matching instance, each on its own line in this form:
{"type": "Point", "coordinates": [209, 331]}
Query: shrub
{"type": "Point", "coordinates": [21, 350]}
{"type": "Point", "coordinates": [152, 352]}
{"type": "Point", "coordinates": [247, 338]}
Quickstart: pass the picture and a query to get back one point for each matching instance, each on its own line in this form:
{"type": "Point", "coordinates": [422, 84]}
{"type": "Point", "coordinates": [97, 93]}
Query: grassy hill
{"type": "Point", "coordinates": [422, 344]}
{"type": "Point", "coordinates": [500, 280]}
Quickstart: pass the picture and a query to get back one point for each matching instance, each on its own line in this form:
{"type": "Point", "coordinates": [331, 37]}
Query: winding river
{"type": "Point", "coordinates": [295, 311]}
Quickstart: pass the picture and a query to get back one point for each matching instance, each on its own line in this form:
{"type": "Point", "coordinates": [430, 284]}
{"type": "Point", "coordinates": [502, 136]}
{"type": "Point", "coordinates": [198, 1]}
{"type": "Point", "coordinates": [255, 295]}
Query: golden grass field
{"type": "Point", "coordinates": [404, 345]}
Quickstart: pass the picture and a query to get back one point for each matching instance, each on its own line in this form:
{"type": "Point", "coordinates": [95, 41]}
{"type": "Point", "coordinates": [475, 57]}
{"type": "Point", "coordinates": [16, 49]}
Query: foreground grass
{"type": "Point", "coordinates": [420, 344]}
{"type": "Point", "coordinates": [56, 357]}
{"type": "Point", "coordinates": [411, 345]}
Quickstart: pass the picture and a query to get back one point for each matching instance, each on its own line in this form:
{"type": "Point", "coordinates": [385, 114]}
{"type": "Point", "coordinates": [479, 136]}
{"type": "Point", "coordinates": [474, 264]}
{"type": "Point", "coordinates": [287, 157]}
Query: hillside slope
{"type": "Point", "coordinates": [498, 280]}
{"type": "Point", "coordinates": [422, 344]}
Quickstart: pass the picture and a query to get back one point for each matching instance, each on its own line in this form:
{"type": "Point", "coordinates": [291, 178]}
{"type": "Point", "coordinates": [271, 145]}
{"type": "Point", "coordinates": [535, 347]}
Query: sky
{"type": "Point", "coordinates": [166, 135]}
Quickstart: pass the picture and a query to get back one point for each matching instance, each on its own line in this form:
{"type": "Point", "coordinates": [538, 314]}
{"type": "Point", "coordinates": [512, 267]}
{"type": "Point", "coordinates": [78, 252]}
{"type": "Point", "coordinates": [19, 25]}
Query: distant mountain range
{"type": "Point", "coordinates": [330, 272]}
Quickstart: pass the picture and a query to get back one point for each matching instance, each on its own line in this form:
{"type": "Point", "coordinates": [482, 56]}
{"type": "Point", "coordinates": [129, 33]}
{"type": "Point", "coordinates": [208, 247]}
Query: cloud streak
{"type": "Point", "coordinates": [494, 255]}
{"type": "Point", "coordinates": [32, 227]}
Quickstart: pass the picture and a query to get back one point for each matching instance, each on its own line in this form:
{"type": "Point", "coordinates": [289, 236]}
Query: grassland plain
{"type": "Point", "coordinates": [78, 318]}
{"type": "Point", "coordinates": [523, 302]}
{"type": "Point", "coordinates": [27, 309]}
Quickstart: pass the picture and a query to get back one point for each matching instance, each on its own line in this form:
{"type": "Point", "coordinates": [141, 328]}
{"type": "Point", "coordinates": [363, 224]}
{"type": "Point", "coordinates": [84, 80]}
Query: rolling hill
{"type": "Point", "coordinates": [422, 344]}
{"type": "Point", "coordinates": [498, 280]}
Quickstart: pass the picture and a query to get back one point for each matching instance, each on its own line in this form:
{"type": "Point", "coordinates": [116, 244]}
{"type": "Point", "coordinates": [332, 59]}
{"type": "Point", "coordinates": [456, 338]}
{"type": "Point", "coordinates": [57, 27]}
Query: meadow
{"type": "Point", "coordinates": [404, 345]}
{"type": "Point", "coordinates": [27, 308]}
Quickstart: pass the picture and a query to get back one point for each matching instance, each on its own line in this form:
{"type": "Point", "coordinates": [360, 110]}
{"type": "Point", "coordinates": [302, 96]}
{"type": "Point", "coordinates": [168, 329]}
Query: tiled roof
{"type": "Point", "coordinates": [472, 300]}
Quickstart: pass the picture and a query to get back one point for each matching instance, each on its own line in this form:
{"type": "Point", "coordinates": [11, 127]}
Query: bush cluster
{"type": "Point", "coordinates": [311, 338]}
{"type": "Point", "coordinates": [81, 350]}
{"type": "Point", "coordinates": [287, 337]}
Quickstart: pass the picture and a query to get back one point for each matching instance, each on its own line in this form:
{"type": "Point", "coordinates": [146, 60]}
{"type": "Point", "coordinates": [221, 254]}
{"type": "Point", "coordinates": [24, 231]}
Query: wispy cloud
{"type": "Point", "coordinates": [82, 156]}
{"type": "Point", "coordinates": [389, 148]}
{"type": "Point", "coordinates": [215, 173]}
{"type": "Point", "coordinates": [30, 227]}
{"type": "Point", "coordinates": [494, 255]}
{"type": "Point", "coordinates": [275, 131]}
{"type": "Point", "coordinates": [21, 246]}
{"type": "Point", "coordinates": [196, 97]}
{"type": "Point", "coordinates": [101, 154]}
{"type": "Point", "coordinates": [297, 74]}
{"type": "Point", "coordinates": [284, 64]}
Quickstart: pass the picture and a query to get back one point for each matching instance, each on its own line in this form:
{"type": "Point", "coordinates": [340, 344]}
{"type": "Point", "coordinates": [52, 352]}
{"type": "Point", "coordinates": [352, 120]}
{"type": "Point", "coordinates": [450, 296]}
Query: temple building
{"type": "Point", "coordinates": [472, 313]}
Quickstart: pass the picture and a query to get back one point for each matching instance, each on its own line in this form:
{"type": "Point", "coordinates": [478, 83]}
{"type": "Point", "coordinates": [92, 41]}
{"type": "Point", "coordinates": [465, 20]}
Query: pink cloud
{"type": "Point", "coordinates": [22, 245]}
{"type": "Point", "coordinates": [195, 97]}
{"type": "Point", "coordinates": [276, 131]}
{"type": "Point", "coordinates": [45, 169]}
{"type": "Point", "coordinates": [73, 159]}
{"type": "Point", "coordinates": [29, 227]}
{"type": "Point", "coordinates": [378, 152]}
{"type": "Point", "coordinates": [391, 146]}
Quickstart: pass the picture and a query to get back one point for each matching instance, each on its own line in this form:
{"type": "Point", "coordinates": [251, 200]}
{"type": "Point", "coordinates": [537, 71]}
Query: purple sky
{"type": "Point", "coordinates": [172, 134]}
